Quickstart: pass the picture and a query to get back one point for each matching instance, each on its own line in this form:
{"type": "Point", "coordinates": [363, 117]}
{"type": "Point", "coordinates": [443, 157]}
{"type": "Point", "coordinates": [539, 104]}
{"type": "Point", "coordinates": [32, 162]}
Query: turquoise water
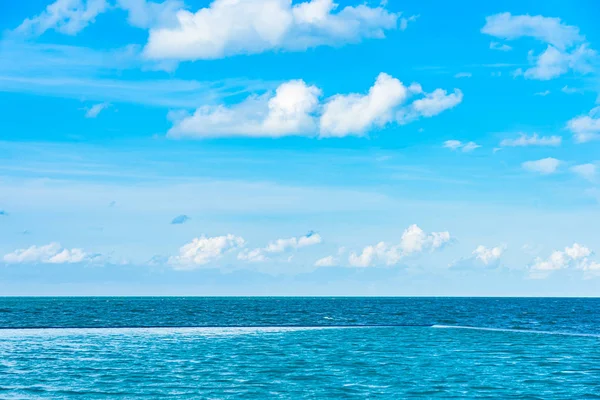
{"type": "Point", "coordinates": [337, 348]}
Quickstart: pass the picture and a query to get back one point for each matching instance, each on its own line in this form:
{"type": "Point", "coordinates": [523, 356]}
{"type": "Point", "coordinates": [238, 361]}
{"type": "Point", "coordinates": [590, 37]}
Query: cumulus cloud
{"type": "Point", "coordinates": [544, 166]}
{"type": "Point", "coordinates": [180, 219]}
{"type": "Point", "coordinates": [226, 28]}
{"type": "Point", "coordinates": [458, 145]}
{"type": "Point", "coordinates": [482, 256]}
{"type": "Point", "coordinates": [328, 261]}
{"type": "Point", "coordinates": [65, 16]}
{"type": "Point", "coordinates": [413, 241]}
{"type": "Point", "coordinates": [52, 253]}
{"type": "Point", "coordinates": [295, 109]}
{"type": "Point", "coordinates": [525, 140]}
{"type": "Point", "coordinates": [576, 256]}
{"type": "Point", "coordinates": [280, 246]}
{"type": "Point", "coordinates": [566, 48]}
{"type": "Point", "coordinates": [553, 62]}
{"type": "Point", "coordinates": [96, 109]}
{"type": "Point", "coordinates": [288, 112]}
{"type": "Point", "coordinates": [586, 128]}
{"type": "Point", "coordinates": [586, 171]}
{"type": "Point", "coordinates": [204, 250]}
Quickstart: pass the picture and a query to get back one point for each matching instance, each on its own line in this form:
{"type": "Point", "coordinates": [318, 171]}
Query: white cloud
{"type": "Point", "coordinates": [586, 171]}
{"type": "Point", "coordinates": [52, 253]}
{"type": "Point", "coordinates": [280, 246]}
{"type": "Point", "coordinates": [464, 147]}
{"type": "Point", "coordinates": [354, 113]}
{"type": "Point", "coordinates": [500, 46]}
{"type": "Point", "coordinates": [534, 140]}
{"type": "Point", "coordinates": [488, 255]}
{"type": "Point", "coordinates": [65, 16]}
{"type": "Point", "coordinates": [295, 109]}
{"type": "Point", "coordinates": [482, 256]}
{"type": "Point", "coordinates": [554, 62]}
{"type": "Point", "coordinates": [288, 112]}
{"type": "Point", "coordinates": [576, 256]}
{"type": "Point", "coordinates": [293, 243]}
{"type": "Point", "coordinates": [544, 166]}
{"type": "Point", "coordinates": [432, 104]}
{"type": "Point", "coordinates": [463, 75]}
{"type": "Point", "coordinates": [328, 261]}
{"type": "Point", "coordinates": [414, 240]}
{"type": "Point", "coordinates": [586, 128]}
{"type": "Point", "coordinates": [545, 29]}
{"type": "Point", "coordinates": [566, 50]}
{"type": "Point", "coordinates": [96, 109]}
{"type": "Point", "coordinates": [204, 250]}
{"type": "Point", "coordinates": [226, 28]}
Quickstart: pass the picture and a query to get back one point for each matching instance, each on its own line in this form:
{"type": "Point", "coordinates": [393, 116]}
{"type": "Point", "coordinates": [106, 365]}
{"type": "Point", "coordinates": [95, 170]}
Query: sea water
{"type": "Point", "coordinates": [291, 348]}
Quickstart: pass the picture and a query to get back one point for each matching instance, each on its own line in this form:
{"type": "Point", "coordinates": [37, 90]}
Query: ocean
{"type": "Point", "coordinates": [296, 348]}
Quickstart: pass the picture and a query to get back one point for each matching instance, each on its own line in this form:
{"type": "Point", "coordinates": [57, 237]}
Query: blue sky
{"type": "Point", "coordinates": [270, 147]}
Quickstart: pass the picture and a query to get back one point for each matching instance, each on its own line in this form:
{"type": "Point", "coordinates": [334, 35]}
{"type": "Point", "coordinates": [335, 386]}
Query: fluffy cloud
{"type": "Point", "coordinates": [586, 171]}
{"type": "Point", "coordinates": [328, 261]}
{"type": "Point", "coordinates": [227, 27]}
{"type": "Point", "coordinates": [554, 62]}
{"type": "Point", "coordinates": [52, 253]}
{"type": "Point", "coordinates": [295, 109]}
{"type": "Point", "coordinates": [354, 113]}
{"type": "Point", "coordinates": [566, 48]}
{"type": "Point", "coordinates": [544, 166]}
{"type": "Point", "coordinates": [288, 112]}
{"type": "Point", "coordinates": [586, 128]}
{"type": "Point", "coordinates": [280, 246]}
{"type": "Point", "coordinates": [482, 256]}
{"type": "Point", "coordinates": [534, 140]}
{"type": "Point", "coordinates": [464, 147]}
{"type": "Point", "coordinates": [576, 256]}
{"type": "Point", "coordinates": [414, 240]}
{"type": "Point", "coordinates": [65, 16]}
{"type": "Point", "coordinates": [204, 250]}
{"type": "Point", "coordinates": [96, 109]}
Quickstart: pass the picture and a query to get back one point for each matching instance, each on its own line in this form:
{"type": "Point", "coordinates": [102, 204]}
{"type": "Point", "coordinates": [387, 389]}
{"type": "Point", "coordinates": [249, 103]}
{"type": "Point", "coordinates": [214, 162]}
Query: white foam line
{"type": "Point", "coordinates": [204, 331]}
{"type": "Point", "coordinates": [477, 328]}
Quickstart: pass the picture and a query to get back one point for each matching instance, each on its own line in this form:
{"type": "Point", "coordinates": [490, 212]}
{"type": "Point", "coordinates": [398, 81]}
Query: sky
{"type": "Point", "coordinates": [277, 147]}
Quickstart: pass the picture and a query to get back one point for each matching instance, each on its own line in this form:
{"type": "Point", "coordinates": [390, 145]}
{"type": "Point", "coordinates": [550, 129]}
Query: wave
{"type": "Point", "coordinates": [165, 330]}
{"type": "Point", "coordinates": [481, 328]}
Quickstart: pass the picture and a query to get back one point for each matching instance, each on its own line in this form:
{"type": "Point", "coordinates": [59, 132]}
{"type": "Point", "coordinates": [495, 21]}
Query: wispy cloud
{"type": "Point", "coordinates": [96, 109]}
{"type": "Point", "coordinates": [500, 46]}
{"type": "Point", "coordinates": [525, 140]}
{"type": "Point", "coordinates": [465, 147]}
